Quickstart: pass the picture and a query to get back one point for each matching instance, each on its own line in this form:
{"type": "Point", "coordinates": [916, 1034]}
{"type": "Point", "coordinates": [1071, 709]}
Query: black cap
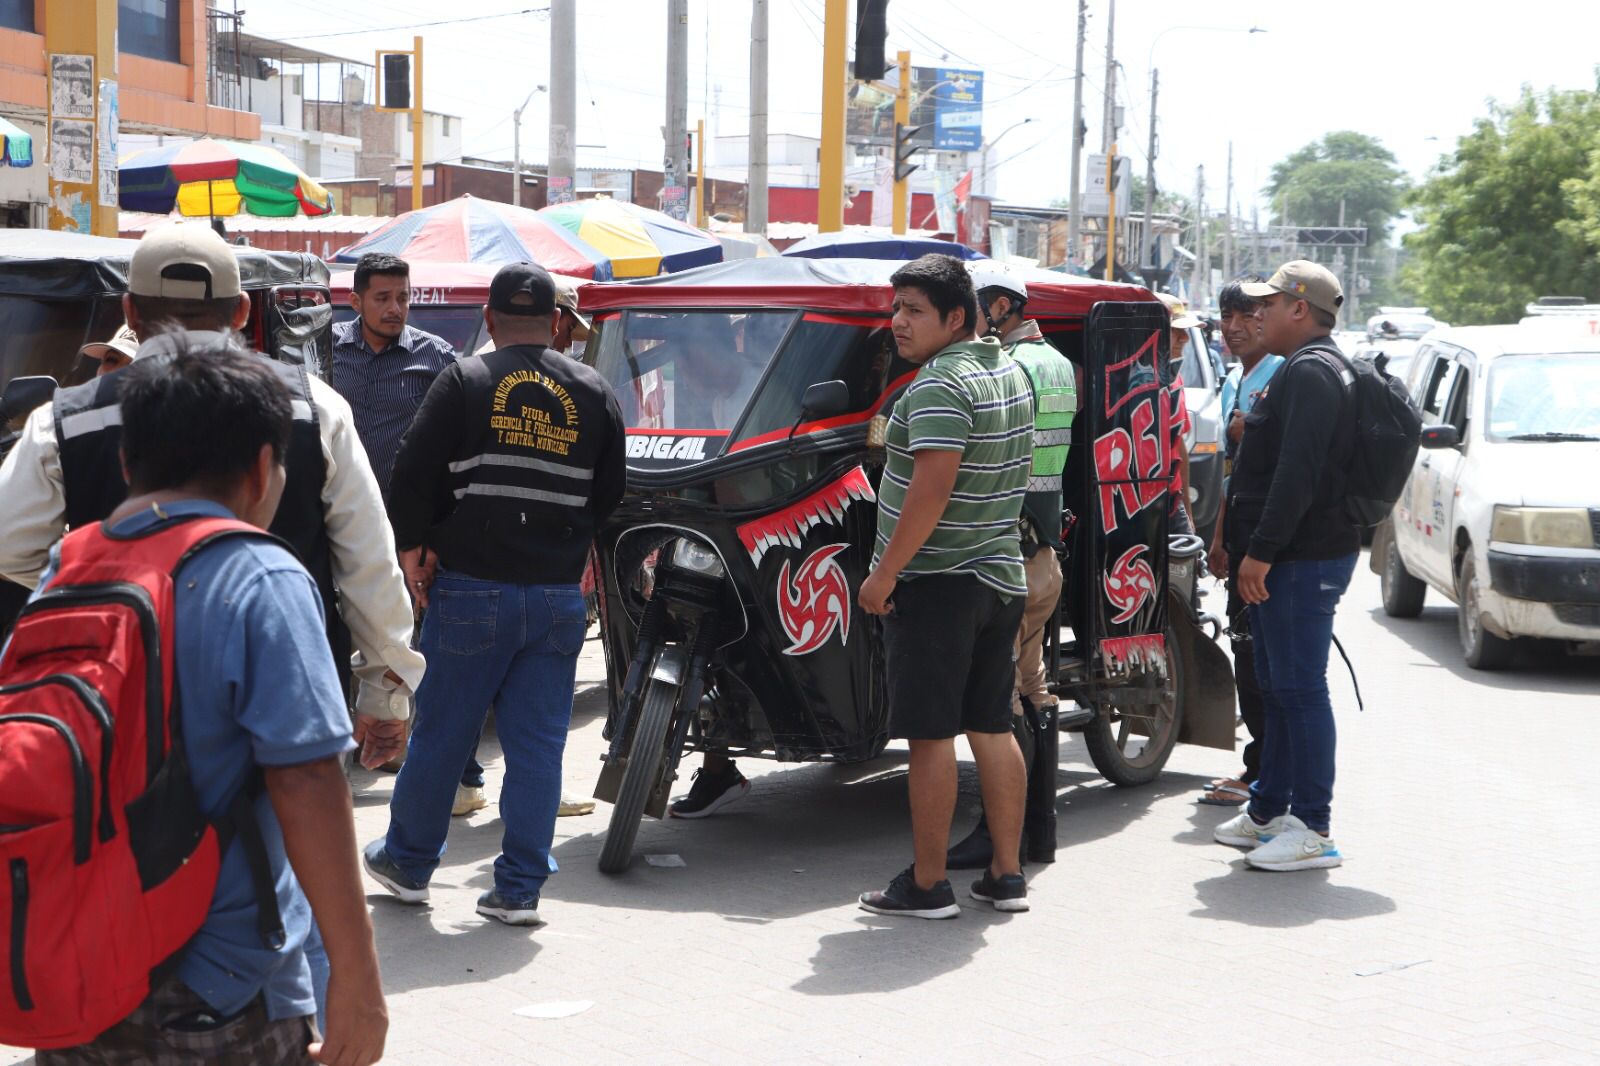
{"type": "Point", "coordinates": [522, 289]}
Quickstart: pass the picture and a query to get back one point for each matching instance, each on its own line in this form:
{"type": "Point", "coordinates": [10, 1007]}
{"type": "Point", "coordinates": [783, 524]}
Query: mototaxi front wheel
{"type": "Point", "coordinates": [1130, 745]}
{"type": "Point", "coordinates": [639, 777]}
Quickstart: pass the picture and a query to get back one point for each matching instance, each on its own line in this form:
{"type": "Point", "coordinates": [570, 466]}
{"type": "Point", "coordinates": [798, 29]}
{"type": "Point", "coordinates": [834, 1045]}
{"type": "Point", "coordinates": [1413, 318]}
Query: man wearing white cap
{"type": "Point", "coordinates": [113, 354]}
{"type": "Point", "coordinates": [66, 471]}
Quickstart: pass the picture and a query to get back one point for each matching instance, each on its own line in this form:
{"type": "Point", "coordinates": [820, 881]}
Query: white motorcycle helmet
{"type": "Point", "coordinates": [995, 278]}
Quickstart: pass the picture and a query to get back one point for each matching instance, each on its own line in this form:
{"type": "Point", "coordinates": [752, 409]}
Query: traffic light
{"type": "Point", "coordinates": [397, 81]}
{"type": "Point", "coordinates": [905, 147]}
{"type": "Point", "coordinates": [872, 28]}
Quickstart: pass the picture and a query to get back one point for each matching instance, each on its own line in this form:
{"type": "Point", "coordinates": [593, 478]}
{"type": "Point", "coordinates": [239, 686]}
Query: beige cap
{"type": "Point", "coordinates": [122, 342]}
{"type": "Point", "coordinates": [567, 300]}
{"type": "Point", "coordinates": [1181, 318]}
{"type": "Point", "coordinates": [1303, 280]}
{"type": "Point", "coordinates": [184, 261]}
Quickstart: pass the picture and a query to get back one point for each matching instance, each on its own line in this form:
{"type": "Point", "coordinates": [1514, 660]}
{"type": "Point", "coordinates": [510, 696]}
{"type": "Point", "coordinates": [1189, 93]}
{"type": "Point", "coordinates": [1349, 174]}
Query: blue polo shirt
{"type": "Point", "coordinates": [257, 687]}
{"type": "Point", "coordinates": [384, 389]}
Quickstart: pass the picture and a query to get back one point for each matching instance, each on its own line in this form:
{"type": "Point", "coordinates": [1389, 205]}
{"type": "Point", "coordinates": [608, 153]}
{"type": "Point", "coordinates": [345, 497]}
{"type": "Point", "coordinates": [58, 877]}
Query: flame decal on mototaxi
{"type": "Point", "coordinates": [790, 525]}
{"type": "Point", "coordinates": [1130, 583]}
{"type": "Point", "coordinates": [815, 603]}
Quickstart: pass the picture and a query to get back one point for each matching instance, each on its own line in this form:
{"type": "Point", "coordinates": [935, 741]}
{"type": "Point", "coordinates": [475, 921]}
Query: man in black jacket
{"type": "Point", "coordinates": [513, 460]}
{"type": "Point", "coordinates": [1286, 523]}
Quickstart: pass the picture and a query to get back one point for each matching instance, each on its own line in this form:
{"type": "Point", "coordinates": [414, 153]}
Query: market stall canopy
{"type": "Point", "coordinates": [470, 230]}
{"type": "Point", "coordinates": [218, 179]}
{"type": "Point", "coordinates": [16, 146]}
{"type": "Point", "coordinates": [854, 244]}
{"type": "Point", "coordinates": [51, 265]}
{"type": "Point", "coordinates": [853, 286]}
{"type": "Point", "coordinates": [640, 243]}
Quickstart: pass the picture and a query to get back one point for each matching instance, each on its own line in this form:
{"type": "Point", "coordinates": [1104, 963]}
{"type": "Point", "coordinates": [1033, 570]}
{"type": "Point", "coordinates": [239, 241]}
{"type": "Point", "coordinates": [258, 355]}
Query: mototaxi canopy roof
{"type": "Point", "coordinates": [52, 265]}
{"type": "Point", "coordinates": [843, 286]}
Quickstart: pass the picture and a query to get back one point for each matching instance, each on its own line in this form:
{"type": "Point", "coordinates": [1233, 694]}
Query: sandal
{"type": "Point", "coordinates": [1229, 795]}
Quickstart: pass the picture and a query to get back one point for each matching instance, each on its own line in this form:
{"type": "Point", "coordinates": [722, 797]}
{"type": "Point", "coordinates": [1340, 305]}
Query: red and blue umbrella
{"type": "Point", "coordinates": [470, 230]}
{"type": "Point", "coordinates": [218, 179]}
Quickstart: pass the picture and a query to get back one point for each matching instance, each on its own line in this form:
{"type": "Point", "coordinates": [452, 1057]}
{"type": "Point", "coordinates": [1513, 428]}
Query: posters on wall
{"type": "Point", "coordinates": [71, 86]}
{"type": "Point", "coordinates": [72, 150]}
{"type": "Point", "coordinates": [108, 122]}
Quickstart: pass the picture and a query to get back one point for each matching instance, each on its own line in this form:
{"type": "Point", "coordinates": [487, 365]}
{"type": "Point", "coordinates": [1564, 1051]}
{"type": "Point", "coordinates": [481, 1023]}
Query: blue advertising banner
{"type": "Point", "coordinates": [958, 111]}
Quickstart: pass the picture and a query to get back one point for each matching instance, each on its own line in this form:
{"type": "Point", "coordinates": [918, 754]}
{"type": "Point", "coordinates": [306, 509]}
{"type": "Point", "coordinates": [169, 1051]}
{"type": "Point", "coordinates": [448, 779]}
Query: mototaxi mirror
{"type": "Point", "coordinates": [23, 394]}
{"type": "Point", "coordinates": [1441, 436]}
{"type": "Point", "coordinates": [824, 399]}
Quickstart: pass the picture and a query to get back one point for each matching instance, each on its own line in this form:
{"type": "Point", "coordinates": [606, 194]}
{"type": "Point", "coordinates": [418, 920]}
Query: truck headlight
{"type": "Point", "coordinates": [1546, 527]}
{"type": "Point", "coordinates": [693, 555]}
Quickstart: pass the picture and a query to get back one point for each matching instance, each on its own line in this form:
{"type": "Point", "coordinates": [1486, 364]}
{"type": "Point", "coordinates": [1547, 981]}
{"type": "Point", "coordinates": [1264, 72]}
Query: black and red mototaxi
{"type": "Point", "coordinates": [755, 395]}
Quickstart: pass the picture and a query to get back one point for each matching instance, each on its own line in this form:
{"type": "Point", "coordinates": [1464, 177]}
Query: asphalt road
{"type": "Point", "coordinates": [1462, 928]}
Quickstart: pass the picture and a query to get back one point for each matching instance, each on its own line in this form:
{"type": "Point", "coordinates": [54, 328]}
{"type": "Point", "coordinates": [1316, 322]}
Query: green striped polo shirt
{"type": "Point", "coordinates": [970, 398]}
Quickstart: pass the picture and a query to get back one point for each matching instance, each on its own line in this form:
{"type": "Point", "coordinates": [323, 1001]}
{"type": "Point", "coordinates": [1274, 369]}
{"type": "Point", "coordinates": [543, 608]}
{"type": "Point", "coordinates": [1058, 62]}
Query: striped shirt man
{"type": "Point", "coordinates": [970, 398]}
{"type": "Point", "coordinates": [384, 389]}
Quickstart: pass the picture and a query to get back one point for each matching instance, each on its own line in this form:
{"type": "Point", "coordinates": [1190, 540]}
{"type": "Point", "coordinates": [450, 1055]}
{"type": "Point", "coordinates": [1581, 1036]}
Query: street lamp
{"type": "Point", "coordinates": [516, 146]}
{"type": "Point", "coordinates": [983, 174]}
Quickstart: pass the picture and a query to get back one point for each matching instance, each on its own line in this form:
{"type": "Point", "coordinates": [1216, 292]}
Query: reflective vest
{"type": "Point", "coordinates": [1055, 402]}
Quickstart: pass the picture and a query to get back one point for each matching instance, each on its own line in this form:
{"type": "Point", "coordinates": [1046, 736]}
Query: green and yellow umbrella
{"type": "Point", "coordinates": [207, 178]}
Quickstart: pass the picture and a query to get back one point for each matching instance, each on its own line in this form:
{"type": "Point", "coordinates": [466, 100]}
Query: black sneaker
{"type": "Point", "coordinates": [708, 795]}
{"type": "Point", "coordinates": [904, 897]}
{"type": "Point", "coordinates": [1008, 892]}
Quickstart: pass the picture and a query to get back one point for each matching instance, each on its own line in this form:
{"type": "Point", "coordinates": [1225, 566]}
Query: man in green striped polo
{"type": "Point", "coordinates": [948, 579]}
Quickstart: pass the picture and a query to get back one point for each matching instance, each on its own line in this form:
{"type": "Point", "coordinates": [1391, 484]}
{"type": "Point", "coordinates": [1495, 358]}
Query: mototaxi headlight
{"type": "Point", "coordinates": [691, 554]}
{"type": "Point", "coordinates": [1545, 527]}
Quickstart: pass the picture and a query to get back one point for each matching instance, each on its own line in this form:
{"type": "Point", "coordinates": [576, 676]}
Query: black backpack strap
{"type": "Point", "coordinates": [241, 823]}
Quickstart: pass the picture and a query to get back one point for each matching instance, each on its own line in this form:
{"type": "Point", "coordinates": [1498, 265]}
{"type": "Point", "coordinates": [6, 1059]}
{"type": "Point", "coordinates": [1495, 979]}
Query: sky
{"type": "Point", "coordinates": [1414, 74]}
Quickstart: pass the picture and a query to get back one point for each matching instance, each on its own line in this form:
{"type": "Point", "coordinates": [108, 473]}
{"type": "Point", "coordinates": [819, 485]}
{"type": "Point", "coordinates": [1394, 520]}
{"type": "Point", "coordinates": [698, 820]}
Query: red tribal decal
{"type": "Point", "coordinates": [789, 526]}
{"type": "Point", "coordinates": [1130, 583]}
{"type": "Point", "coordinates": [817, 601]}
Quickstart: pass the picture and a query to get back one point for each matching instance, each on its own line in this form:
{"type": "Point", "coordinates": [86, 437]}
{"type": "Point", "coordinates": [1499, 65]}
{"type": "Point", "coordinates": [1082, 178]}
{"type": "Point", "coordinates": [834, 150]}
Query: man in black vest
{"type": "Point", "coordinates": [514, 459]}
{"type": "Point", "coordinates": [66, 471]}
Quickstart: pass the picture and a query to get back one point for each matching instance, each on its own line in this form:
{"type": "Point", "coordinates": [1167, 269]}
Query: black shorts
{"type": "Point", "coordinates": [949, 643]}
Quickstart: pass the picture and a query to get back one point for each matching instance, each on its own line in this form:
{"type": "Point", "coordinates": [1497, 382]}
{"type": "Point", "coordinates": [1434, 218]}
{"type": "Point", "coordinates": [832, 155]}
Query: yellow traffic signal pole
{"type": "Point", "coordinates": [416, 124]}
{"type": "Point", "coordinates": [700, 173]}
{"type": "Point", "coordinates": [902, 117]}
{"type": "Point", "coordinates": [84, 34]}
{"type": "Point", "coordinates": [830, 184]}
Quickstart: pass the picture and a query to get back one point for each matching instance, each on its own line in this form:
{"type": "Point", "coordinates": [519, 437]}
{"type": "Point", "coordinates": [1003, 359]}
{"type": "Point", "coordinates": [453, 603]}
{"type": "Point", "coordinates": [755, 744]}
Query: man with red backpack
{"type": "Point", "coordinates": [208, 814]}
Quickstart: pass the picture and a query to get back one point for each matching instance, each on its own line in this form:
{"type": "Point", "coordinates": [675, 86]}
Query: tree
{"type": "Point", "coordinates": [1513, 213]}
{"type": "Point", "coordinates": [1345, 174]}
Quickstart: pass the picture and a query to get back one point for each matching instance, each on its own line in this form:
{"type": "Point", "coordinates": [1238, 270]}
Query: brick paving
{"type": "Point", "coordinates": [1462, 929]}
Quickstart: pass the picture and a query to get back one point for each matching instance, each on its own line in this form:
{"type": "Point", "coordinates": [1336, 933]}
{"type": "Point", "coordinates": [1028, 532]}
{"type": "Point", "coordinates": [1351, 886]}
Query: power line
{"type": "Point", "coordinates": [419, 25]}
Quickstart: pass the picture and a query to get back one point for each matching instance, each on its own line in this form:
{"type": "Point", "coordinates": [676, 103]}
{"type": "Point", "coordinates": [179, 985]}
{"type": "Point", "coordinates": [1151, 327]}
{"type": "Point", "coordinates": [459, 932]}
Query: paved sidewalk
{"type": "Point", "coordinates": [1463, 928]}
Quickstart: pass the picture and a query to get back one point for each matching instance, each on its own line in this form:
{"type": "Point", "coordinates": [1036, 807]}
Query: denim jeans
{"type": "Point", "coordinates": [1292, 633]}
{"type": "Point", "coordinates": [515, 646]}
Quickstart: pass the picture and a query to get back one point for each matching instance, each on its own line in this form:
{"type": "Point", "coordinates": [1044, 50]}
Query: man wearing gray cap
{"type": "Point", "coordinates": [514, 459]}
{"type": "Point", "coordinates": [66, 470]}
{"type": "Point", "coordinates": [1287, 524]}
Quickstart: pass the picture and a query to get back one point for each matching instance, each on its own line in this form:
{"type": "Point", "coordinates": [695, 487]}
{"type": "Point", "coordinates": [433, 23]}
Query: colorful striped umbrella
{"type": "Point", "coordinates": [218, 179]}
{"type": "Point", "coordinates": [16, 146]}
{"type": "Point", "coordinates": [470, 230]}
{"type": "Point", "coordinates": [640, 243]}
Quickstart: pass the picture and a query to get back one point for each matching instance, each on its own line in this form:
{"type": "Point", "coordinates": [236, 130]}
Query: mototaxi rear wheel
{"type": "Point", "coordinates": [1126, 758]}
{"type": "Point", "coordinates": [639, 777]}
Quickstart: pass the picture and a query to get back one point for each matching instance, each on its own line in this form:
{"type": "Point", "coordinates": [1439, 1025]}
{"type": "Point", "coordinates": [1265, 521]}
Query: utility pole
{"type": "Point", "coordinates": [1075, 215]}
{"type": "Point", "coordinates": [1108, 133]}
{"type": "Point", "coordinates": [901, 206]}
{"type": "Point", "coordinates": [1228, 271]}
{"type": "Point", "coordinates": [830, 184]}
{"type": "Point", "coordinates": [1202, 265]}
{"type": "Point", "coordinates": [700, 173]}
{"type": "Point", "coordinates": [562, 169]}
{"type": "Point", "coordinates": [84, 34]}
{"type": "Point", "coordinates": [1110, 142]}
{"type": "Point", "coordinates": [755, 211]}
{"type": "Point", "coordinates": [676, 177]}
{"type": "Point", "coordinates": [1147, 240]}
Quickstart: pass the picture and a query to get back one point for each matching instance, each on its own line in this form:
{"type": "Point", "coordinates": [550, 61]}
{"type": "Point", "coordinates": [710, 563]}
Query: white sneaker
{"type": "Point", "coordinates": [469, 798]}
{"type": "Point", "coordinates": [1296, 848]}
{"type": "Point", "coordinates": [1241, 831]}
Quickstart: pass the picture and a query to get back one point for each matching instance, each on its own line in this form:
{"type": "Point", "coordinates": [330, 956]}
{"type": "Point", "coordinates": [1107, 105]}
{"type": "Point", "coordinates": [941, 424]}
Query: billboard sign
{"type": "Point", "coordinates": [958, 110]}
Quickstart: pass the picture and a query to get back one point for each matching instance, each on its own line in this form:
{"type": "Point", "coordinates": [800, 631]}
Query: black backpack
{"type": "Point", "coordinates": [1388, 433]}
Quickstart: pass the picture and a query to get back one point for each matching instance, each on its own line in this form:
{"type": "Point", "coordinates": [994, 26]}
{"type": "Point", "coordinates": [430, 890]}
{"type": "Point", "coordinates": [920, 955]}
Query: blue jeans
{"type": "Point", "coordinates": [515, 646]}
{"type": "Point", "coordinates": [1292, 633]}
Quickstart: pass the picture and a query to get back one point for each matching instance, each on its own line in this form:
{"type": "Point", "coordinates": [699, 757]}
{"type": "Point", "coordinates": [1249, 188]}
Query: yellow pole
{"type": "Point", "coordinates": [1111, 213]}
{"type": "Point", "coordinates": [902, 117]}
{"type": "Point", "coordinates": [416, 124]}
{"type": "Point", "coordinates": [700, 173]}
{"type": "Point", "coordinates": [80, 28]}
{"type": "Point", "coordinates": [830, 185]}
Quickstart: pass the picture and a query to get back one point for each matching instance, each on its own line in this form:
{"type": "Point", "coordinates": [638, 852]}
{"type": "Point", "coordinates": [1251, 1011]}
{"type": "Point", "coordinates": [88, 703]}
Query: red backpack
{"type": "Point", "coordinates": [107, 862]}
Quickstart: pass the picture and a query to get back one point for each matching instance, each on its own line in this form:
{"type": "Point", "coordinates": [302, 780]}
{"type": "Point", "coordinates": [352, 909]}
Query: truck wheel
{"type": "Point", "coordinates": [1482, 649]}
{"type": "Point", "coordinates": [639, 777]}
{"type": "Point", "coordinates": [1127, 757]}
{"type": "Point", "coordinates": [1402, 593]}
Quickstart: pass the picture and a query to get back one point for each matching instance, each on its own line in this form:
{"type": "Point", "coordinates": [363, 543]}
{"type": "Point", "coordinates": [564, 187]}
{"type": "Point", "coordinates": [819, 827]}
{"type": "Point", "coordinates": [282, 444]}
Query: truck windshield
{"type": "Point", "coordinates": [1545, 397]}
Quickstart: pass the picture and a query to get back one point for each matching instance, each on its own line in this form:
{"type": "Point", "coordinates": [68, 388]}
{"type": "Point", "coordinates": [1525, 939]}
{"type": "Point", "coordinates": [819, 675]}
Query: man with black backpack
{"type": "Point", "coordinates": [1289, 525]}
{"type": "Point", "coordinates": [211, 821]}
